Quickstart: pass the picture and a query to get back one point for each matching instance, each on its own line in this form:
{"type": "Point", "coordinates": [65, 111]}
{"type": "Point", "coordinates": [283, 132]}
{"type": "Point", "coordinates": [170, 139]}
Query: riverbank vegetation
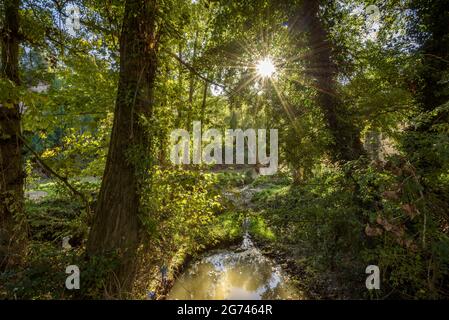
{"type": "Point", "coordinates": [90, 92]}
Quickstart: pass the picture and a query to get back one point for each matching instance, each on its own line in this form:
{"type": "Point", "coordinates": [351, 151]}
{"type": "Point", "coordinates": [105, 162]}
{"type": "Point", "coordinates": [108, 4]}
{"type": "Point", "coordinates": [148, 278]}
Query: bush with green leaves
{"type": "Point", "coordinates": [179, 207]}
{"type": "Point", "coordinates": [349, 217]}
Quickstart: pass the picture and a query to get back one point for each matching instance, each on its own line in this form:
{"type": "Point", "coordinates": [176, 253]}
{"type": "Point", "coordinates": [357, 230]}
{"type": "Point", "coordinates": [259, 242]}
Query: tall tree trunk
{"type": "Point", "coordinates": [432, 90]}
{"type": "Point", "coordinates": [346, 145]}
{"type": "Point", "coordinates": [432, 32]}
{"type": "Point", "coordinates": [192, 82]}
{"type": "Point", "coordinates": [116, 225]}
{"type": "Point", "coordinates": [11, 169]}
{"type": "Point", "coordinates": [203, 103]}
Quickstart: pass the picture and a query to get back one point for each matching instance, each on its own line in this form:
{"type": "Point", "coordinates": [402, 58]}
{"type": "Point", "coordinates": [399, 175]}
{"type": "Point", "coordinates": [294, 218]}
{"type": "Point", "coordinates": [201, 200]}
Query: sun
{"type": "Point", "coordinates": [265, 68]}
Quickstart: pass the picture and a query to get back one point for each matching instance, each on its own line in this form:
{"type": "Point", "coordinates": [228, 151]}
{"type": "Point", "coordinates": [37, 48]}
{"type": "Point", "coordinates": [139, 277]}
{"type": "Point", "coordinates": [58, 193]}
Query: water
{"type": "Point", "coordinates": [242, 273]}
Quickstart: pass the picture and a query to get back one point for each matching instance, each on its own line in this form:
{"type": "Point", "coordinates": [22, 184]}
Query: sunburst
{"type": "Point", "coordinates": [265, 68]}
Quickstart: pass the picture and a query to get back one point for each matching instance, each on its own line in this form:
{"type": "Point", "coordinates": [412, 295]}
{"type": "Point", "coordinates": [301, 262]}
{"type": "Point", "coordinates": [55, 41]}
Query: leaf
{"type": "Point", "coordinates": [372, 231]}
{"type": "Point", "coordinates": [390, 195]}
{"type": "Point", "coordinates": [410, 210]}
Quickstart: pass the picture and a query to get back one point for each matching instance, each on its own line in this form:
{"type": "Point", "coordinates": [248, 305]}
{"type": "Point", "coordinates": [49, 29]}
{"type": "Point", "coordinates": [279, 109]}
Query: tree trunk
{"type": "Point", "coordinates": [203, 103]}
{"type": "Point", "coordinates": [116, 225]}
{"type": "Point", "coordinates": [11, 162]}
{"type": "Point", "coordinates": [192, 82]}
{"type": "Point", "coordinates": [346, 145]}
{"type": "Point", "coordinates": [432, 89]}
{"type": "Point", "coordinates": [431, 82]}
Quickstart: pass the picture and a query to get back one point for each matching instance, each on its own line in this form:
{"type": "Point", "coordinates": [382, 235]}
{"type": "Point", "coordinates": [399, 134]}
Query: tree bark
{"type": "Point", "coordinates": [346, 145]}
{"type": "Point", "coordinates": [11, 162]}
{"type": "Point", "coordinates": [192, 82]}
{"type": "Point", "coordinates": [116, 225]}
{"type": "Point", "coordinates": [432, 89]}
{"type": "Point", "coordinates": [432, 32]}
{"type": "Point", "coordinates": [203, 103]}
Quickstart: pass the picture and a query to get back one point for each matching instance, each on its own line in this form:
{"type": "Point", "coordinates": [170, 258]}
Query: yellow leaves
{"type": "Point", "coordinates": [50, 153]}
{"type": "Point", "coordinates": [186, 204]}
{"type": "Point", "coordinates": [8, 105]}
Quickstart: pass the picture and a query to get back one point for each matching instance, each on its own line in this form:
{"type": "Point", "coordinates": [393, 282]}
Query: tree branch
{"type": "Point", "coordinates": [64, 180]}
{"type": "Point", "coordinates": [197, 73]}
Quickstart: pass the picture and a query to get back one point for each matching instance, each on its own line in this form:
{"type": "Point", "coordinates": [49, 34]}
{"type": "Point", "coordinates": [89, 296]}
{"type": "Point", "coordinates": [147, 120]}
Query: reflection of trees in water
{"type": "Point", "coordinates": [249, 276]}
{"type": "Point", "coordinates": [229, 275]}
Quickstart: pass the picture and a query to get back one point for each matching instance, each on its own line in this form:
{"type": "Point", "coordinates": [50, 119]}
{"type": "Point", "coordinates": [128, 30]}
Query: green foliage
{"type": "Point", "coordinates": [178, 206]}
{"type": "Point", "coordinates": [42, 276]}
{"type": "Point", "coordinates": [260, 229]}
{"type": "Point", "coordinates": [226, 228]}
{"type": "Point", "coordinates": [391, 210]}
{"type": "Point", "coordinates": [392, 224]}
{"type": "Point", "coordinates": [406, 231]}
{"type": "Point", "coordinates": [51, 220]}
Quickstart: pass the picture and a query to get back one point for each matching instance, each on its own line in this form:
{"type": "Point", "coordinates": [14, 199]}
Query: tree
{"type": "Point", "coordinates": [116, 224]}
{"type": "Point", "coordinates": [432, 94]}
{"type": "Point", "coordinates": [11, 171]}
{"type": "Point", "coordinates": [346, 145]}
{"type": "Point", "coordinates": [435, 55]}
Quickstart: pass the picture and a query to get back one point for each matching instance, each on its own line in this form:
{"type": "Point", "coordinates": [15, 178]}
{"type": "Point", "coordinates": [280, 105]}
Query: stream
{"type": "Point", "coordinates": [235, 273]}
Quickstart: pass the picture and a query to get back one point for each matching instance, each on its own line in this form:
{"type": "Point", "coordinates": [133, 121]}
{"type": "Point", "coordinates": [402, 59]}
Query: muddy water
{"type": "Point", "coordinates": [240, 273]}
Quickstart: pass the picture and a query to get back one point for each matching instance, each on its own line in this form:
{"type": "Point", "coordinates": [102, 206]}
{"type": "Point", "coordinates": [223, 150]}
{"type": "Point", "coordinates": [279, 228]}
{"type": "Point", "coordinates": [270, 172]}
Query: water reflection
{"type": "Point", "coordinates": [241, 274]}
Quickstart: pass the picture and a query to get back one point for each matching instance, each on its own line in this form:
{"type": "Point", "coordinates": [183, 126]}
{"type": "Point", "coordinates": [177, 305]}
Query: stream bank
{"type": "Point", "coordinates": [231, 269]}
{"type": "Point", "coordinates": [238, 272]}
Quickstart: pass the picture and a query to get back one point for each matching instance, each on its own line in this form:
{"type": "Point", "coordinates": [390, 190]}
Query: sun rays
{"type": "Point", "coordinates": [273, 63]}
{"type": "Point", "coordinates": [265, 68]}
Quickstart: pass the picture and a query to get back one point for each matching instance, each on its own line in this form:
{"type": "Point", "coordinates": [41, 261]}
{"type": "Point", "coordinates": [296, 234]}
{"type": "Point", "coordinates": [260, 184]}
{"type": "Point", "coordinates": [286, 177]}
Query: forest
{"type": "Point", "coordinates": [219, 149]}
